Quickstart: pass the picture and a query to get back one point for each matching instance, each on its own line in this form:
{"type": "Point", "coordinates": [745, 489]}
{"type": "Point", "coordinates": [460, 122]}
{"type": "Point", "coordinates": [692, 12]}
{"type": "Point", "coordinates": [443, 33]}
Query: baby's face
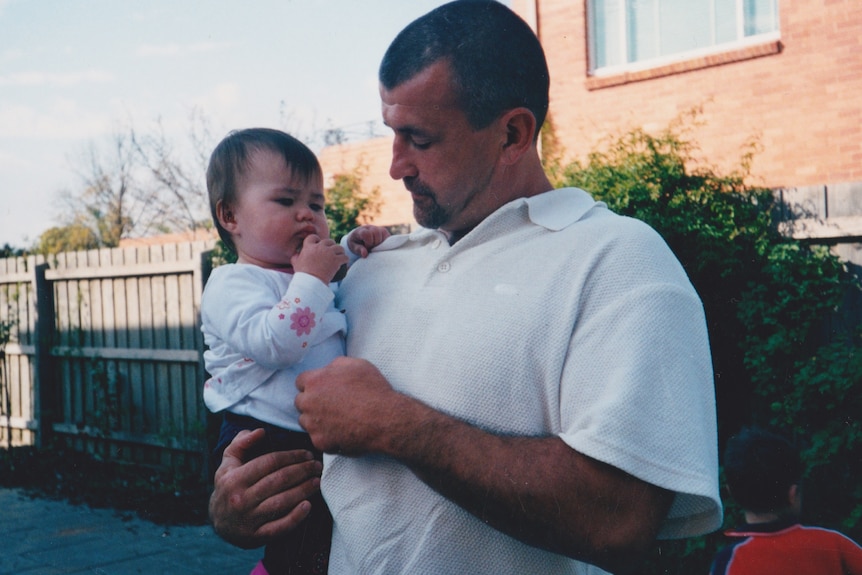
{"type": "Point", "coordinates": [275, 211]}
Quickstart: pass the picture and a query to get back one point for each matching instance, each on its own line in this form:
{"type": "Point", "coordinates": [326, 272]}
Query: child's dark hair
{"type": "Point", "coordinates": [230, 159]}
{"type": "Point", "coordinates": [760, 466]}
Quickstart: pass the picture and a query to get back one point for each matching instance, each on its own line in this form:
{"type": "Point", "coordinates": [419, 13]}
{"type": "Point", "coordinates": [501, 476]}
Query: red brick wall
{"type": "Point", "coordinates": [800, 98]}
{"type": "Point", "coordinates": [396, 207]}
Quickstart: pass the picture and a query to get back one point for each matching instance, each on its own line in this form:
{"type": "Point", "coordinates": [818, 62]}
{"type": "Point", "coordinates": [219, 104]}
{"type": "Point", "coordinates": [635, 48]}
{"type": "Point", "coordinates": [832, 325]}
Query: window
{"type": "Point", "coordinates": [627, 34]}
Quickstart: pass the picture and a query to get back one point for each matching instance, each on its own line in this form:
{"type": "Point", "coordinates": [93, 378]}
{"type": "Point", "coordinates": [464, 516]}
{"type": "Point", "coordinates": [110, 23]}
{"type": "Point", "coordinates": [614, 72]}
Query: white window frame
{"type": "Point", "coordinates": [741, 42]}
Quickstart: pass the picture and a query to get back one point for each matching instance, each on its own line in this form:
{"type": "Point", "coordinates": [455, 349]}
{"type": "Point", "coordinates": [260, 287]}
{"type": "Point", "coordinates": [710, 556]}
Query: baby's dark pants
{"type": "Point", "coordinates": [304, 551]}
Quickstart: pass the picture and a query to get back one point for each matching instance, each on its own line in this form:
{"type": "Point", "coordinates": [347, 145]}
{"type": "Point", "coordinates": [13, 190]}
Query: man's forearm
{"type": "Point", "coordinates": [537, 490]}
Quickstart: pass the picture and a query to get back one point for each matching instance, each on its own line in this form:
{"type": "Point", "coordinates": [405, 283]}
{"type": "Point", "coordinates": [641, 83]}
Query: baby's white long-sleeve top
{"type": "Point", "coordinates": [263, 328]}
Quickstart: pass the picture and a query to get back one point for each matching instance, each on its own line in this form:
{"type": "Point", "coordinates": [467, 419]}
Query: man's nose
{"type": "Point", "coordinates": [402, 165]}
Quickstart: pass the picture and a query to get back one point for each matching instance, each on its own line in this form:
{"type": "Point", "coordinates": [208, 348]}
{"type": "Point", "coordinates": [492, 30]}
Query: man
{"type": "Point", "coordinates": [530, 387]}
{"type": "Point", "coordinates": [764, 475]}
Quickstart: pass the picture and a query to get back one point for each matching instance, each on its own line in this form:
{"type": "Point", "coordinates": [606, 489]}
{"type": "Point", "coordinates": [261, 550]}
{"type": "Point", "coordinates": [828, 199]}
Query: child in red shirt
{"type": "Point", "coordinates": [764, 472]}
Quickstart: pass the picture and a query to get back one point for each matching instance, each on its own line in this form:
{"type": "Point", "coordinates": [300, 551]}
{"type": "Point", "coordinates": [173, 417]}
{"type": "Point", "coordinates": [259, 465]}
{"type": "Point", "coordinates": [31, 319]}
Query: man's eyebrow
{"type": "Point", "coordinates": [408, 130]}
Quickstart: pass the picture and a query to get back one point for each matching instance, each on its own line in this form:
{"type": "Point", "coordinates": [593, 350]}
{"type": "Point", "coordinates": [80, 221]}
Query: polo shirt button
{"type": "Point", "coordinates": [436, 244]}
{"type": "Point", "coordinates": [444, 267]}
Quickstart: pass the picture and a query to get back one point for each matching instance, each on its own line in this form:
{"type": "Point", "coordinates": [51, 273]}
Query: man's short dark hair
{"type": "Point", "coordinates": [760, 466]}
{"type": "Point", "coordinates": [496, 59]}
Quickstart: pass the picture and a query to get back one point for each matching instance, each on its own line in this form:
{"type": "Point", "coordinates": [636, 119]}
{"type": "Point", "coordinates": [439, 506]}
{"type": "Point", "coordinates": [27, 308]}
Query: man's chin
{"type": "Point", "coordinates": [429, 219]}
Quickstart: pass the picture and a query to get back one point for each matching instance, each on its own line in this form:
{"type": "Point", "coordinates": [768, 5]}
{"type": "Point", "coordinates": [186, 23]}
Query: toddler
{"type": "Point", "coordinates": [270, 315]}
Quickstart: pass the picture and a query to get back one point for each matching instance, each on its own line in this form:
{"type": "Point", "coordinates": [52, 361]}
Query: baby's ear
{"type": "Point", "coordinates": [225, 215]}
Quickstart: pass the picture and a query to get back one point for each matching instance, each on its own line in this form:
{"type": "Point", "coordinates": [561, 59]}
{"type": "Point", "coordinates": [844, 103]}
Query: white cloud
{"type": "Point", "coordinates": [11, 54]}
{"type": "Point", "coordinates": [172, 49]}
{"type": "Point", "coordinates": [30, 79]}
{"type": "Point", "coordinates": [63, 119]}
{"type": "Point", "coordinates": [9, 161]}
{"type": "Point", "coordinates": [221, 100]}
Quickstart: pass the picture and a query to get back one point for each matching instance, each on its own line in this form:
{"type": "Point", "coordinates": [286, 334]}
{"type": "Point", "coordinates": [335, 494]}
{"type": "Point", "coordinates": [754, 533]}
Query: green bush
{"type": "Point", "coordinates": [347, 205]}
{"type": "Point", "coordinates": [769, 301]}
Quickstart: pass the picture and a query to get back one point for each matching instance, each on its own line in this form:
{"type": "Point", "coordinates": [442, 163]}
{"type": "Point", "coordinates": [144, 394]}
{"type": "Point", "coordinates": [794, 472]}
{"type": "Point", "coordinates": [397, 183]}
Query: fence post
{"type": "Point", "coordinates": [212, 423]}
{"type": "Point", "coordinates": [45, 393]}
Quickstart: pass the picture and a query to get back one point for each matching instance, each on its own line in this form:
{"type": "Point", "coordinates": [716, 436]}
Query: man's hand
{"type": "Point", "coordinates": [321, 258]}
{"type": "Point", "coordinates": [344, 407]}
{"type": "Point", "coordinates": [364, 239]}
{"type": "Point", "coordinates": [255, 501]}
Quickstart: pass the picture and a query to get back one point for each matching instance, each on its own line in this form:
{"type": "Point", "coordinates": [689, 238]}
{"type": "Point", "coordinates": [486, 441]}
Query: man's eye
{"type": "Point", "coordinates": [316, 207]}
{"type": "Point", "coordinates": [420, 144]}
{"type": "Point", "coordinates": [285, 201]}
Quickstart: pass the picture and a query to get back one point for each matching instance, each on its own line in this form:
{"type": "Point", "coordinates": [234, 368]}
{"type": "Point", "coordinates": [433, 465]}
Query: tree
{"type": "Point", "coordinates": [769, 301]}
{"type": "Point", "coordinates": [110, 204]}
{"type": "Point", "coordinates": [347, 204]}
{"type": "Point", "coordinates": [177, 179]}
{"type": "Point", "coordinates": [69, 238]}
{"type": "Point", "coordinates": [136, 184]}
{"type": "Point", "coordinates": [7, 251]}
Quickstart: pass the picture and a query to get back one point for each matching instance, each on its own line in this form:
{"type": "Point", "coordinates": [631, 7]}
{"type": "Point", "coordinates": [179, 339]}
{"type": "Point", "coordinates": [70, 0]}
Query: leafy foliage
{"type": "Point", "coordinates": [768, 300]}
{"type": "Point", "coordinates": [347, 204]}
{"type": "Point", "coordinates": [69, 238]}
{"type": "Point", "coordinates": [8, 251]}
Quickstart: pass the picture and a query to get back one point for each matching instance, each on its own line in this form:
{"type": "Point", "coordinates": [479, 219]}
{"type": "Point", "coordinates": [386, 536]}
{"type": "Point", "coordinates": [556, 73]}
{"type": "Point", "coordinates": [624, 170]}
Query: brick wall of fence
{"type": "Point", "coordinates": [104, 352]}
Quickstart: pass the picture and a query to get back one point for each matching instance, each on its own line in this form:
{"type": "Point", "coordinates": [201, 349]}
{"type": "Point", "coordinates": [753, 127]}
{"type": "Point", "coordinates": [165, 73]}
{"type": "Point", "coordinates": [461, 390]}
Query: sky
{"type": "Point", "coordinates": [72, 73]}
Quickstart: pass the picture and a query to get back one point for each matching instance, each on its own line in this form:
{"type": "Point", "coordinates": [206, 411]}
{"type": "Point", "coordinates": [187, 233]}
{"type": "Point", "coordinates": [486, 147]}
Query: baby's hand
{"type": "Point", "coordinates": [320, 258]}
{"type": "Point", "coordinates": [365, 238]}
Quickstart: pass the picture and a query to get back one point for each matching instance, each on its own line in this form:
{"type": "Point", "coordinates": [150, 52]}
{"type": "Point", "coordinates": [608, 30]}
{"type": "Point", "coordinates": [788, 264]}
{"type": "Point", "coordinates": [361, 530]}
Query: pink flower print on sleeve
{"type": "Point", "coordinates": [302, 321]}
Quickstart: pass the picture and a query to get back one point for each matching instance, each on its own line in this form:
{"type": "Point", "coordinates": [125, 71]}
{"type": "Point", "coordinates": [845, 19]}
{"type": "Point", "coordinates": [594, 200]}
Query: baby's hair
{"type": "Point", "coordinates": [230, 160]}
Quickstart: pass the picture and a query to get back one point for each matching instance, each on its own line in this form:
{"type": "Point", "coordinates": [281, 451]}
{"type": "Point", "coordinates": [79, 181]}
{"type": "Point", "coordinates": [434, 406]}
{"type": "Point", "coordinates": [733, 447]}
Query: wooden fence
{"type": "Point", "coordinates": [104, 352]}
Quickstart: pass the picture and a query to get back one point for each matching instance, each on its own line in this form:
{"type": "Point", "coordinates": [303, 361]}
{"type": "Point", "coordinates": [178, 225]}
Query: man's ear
{"type": "Point", "coordinates": [520, 127]}
{"type": "Point", "coordinates": [225, 216]}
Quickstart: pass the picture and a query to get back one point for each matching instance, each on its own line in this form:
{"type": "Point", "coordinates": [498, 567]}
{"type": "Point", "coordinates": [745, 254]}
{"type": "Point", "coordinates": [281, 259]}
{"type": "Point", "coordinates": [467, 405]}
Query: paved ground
{"type": "Point", "coordinates": [44, 537]}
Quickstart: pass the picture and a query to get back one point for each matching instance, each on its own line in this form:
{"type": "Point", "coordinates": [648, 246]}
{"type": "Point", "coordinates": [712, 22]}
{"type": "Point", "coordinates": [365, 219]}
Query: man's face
{"type": "Point", "coordinates": [445, 164]}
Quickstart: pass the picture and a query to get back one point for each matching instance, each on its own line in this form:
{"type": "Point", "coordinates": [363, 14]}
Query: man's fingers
{"type": "Point", "coordinates": [285, 523]}
{"type": "Point", "coordinates": [236, 453]}
{"type": "Point", "coordinates": [280, 499]}
{"type": "Point", "coordinates": [255, 500]}
{"type": "Point", "coordinates": [286, 469]}
{"type": "Point", "coordinates": [271, 473]}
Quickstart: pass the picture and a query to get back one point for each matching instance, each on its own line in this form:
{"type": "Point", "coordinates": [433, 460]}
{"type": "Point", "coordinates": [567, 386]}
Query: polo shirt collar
{"type": "Point", "coordinates": [558, 209]}
{"type": "Point", "coordinates": [553, 210]}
